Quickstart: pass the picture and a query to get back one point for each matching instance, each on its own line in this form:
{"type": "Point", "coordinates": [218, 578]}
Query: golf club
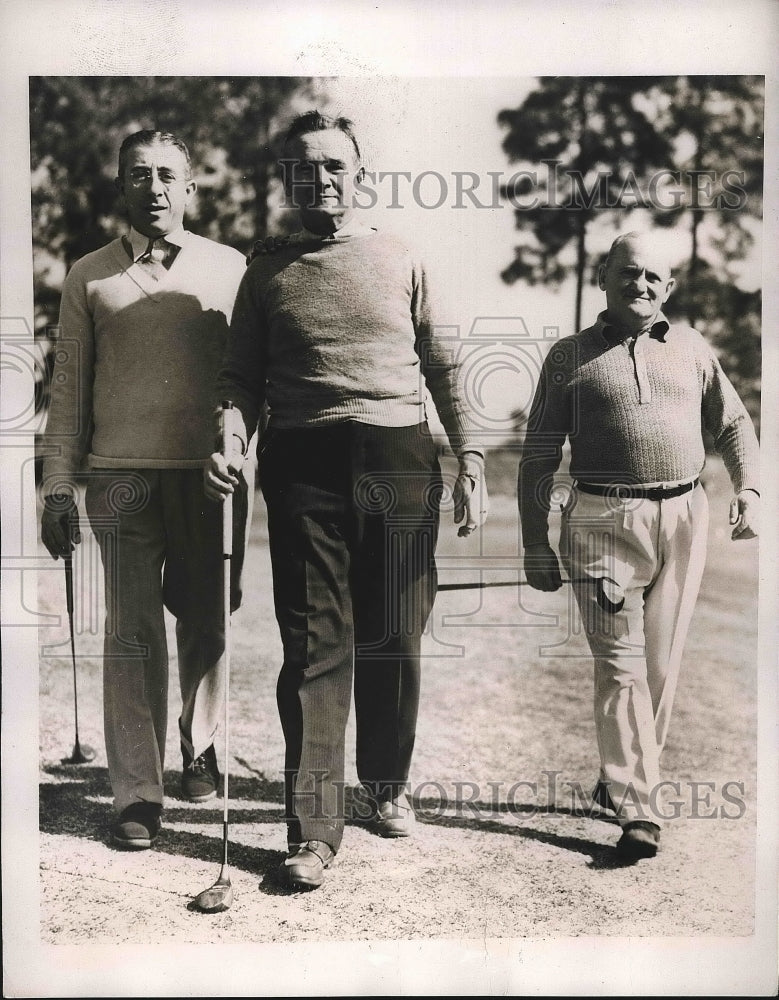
{"type": "Point", "coordinates": [481, 584]}
{"type": "Point", "coordinates": [81, 754]}
{"type": "Point", "coordinates": [219, 896]}
{"type": "Point", "coordinates": [609, 595]}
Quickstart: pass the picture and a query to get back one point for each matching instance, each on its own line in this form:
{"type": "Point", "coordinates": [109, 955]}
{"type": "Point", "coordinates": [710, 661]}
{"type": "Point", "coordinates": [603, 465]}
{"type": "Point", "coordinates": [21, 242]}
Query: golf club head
{"type": "Point", "coordinates": [610, 596]}
{"type": "Point", "coordinates": [82, 754]}
{"type": "Point", "coordinates": [216, 899]}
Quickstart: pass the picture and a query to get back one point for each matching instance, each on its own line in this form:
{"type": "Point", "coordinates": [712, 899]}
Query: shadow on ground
{"type": "Point", "coordinates": [485, 816]}
{"type": "Point", "coordinates": [71, 805]}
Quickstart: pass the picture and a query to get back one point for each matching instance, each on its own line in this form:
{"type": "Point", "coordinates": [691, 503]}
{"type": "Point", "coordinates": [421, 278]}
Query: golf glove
{"type": "Point", "coordinates": [60, 530]}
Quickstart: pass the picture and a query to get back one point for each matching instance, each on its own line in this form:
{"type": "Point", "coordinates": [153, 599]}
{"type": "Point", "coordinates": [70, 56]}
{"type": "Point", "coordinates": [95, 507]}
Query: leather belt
{"type": "Point", "coordinates": [625, 492]}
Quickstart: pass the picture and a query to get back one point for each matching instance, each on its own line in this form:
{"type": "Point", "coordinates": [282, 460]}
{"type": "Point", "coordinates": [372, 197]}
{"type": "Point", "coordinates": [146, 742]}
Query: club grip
{"type": "Point", "coordinates": [69, 583]}
{"type": "Point", "coordinates": [229, 428]}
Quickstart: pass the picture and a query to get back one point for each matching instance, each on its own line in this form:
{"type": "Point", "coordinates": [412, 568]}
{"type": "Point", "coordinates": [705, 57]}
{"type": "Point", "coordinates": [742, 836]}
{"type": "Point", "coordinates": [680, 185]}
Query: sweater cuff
{"type": "Point", "coordinates": [470, 447]}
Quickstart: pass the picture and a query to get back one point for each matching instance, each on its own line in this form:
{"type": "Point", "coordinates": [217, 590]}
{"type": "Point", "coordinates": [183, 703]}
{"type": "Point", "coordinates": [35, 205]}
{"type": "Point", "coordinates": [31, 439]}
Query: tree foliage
{"type": "Point", "coordinates": [599, 148]}
{"type": "Point", "coordinates": [588, 137]}
{"type": "Point", "coordinates": [716, 127]}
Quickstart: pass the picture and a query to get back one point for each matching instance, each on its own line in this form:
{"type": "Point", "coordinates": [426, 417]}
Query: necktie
{"type": "Point", "coordinates": [156, 258]}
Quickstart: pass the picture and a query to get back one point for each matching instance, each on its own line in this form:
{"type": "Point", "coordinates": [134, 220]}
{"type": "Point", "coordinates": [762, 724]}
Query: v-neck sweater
{"type": "Point", "coordinates": [137, 358]}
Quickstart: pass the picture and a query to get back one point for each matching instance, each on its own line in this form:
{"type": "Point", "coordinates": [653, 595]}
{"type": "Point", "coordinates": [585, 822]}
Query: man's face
{"type": "Point", "coordinates": [157, 188]}
{"type": "Point", "coordinates": [320, 171]}
{"type": "Point", "coordinates": [637, 282]}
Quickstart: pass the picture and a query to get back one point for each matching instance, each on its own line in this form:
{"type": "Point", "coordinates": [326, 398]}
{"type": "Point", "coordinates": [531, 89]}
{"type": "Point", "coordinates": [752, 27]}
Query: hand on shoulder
{"type": "Point", "coordinates": [267, 245]}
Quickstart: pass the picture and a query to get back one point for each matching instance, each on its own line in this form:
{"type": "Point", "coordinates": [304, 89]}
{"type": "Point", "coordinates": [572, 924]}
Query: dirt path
{"type": "Point", "coordinates": [507, 859]}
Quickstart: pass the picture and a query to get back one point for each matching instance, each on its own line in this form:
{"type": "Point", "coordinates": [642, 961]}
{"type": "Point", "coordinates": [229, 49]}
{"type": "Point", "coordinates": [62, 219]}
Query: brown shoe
{"type": "Point", "coordinates": [304, 867]}
{"type": "Point", "coordinates": [137, 827]}
{"type": "Point", "coordinates": [639, 839]}
{"type": "Point", "coordinates": [395, 818]}
{"type": "Point", "coordinates": [199, 777]}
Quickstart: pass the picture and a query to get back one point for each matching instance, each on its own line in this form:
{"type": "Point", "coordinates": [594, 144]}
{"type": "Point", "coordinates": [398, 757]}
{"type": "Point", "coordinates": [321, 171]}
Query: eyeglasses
{"type": "Point", "coordinates": [140, 176]}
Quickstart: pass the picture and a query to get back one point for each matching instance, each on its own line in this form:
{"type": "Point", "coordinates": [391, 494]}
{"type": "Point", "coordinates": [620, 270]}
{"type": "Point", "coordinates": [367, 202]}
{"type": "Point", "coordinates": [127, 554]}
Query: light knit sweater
{"type": "Point", "coordinates": [633, 414]}
{"type": "Point", "coordinates": [137, 359]}
{"type": "Point", "coordinates": [328, 331]}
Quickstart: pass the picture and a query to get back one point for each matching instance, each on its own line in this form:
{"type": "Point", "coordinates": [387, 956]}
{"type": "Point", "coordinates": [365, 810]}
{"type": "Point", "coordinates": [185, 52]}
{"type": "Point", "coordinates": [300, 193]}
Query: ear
{"type": "Point", "coordinates": [669, 288]}
{"type": "Point", "coordinates": [359, 175]}
{"type": "Point", "coordinates": [602, 277]}
{"type": "Point", "coordinates": [190, 189]}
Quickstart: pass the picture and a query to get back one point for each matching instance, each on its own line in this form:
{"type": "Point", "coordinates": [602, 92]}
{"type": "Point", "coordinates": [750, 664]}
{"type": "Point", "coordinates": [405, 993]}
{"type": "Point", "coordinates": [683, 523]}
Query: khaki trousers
{"type": "Point", "coordinates": [649, 554]}
{"type": "Point", "coordinates": [160, 541]}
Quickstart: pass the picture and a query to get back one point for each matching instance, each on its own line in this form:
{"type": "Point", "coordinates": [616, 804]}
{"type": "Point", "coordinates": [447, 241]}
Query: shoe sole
{"type": "Point", "coordinates": [391, 834]}
{"type": "Point", "coordinates": [199, 798]}
{"type": "Point", "coordinates": [132, 845]}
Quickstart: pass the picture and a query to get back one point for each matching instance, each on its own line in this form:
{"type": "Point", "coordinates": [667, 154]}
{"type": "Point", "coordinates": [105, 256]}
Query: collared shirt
{"type": "Point", "coordinates": [136, 244]}
{"type": "Point", "coordinates": [634, 344]}
{"type": "Point", "coordinates": [613, 335]}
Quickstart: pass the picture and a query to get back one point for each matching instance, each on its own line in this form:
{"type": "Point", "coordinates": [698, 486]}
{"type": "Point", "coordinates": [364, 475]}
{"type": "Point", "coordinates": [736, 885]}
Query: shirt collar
{"type": "Point", "coordinates": [610, 334]}
{"type": "Point", "coordinates": [139, 242]}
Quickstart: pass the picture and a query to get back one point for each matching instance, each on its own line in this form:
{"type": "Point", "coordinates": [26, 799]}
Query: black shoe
{"type": "Point", "coordinates": [200, 777]}
{"type": "Point", "coordinates": [304, 867]}
{"type": "Point", "coordinates": [639, 839]}
{"type": "Point", "coordinates": [600, 796]}
{"type": "Point", "coordinates": [138, 826]}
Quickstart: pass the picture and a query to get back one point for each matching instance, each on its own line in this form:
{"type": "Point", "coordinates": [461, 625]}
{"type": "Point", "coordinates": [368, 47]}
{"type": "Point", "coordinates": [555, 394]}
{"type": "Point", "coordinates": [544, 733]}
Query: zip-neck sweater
{"type": "Point", "coordinates": [632, 411]}
{"type": "Point", "coordinates": [343, 329]}
{"type": "Point", "coordinates": [137, 359]}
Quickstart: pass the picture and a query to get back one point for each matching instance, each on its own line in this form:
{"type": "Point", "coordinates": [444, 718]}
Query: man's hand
{"type": "Point", "coordinates": [542, 567]}
{"type": "Point", "coordinates": [745, 515]}
{"type": "Point", "coordinates": [471, 502]}
{"type": "Point", "coordinates": [269, 245]}
{"type": "Point", "coordinates": [60, 530]}
{"type": "Point", "coordinates": [220, 475]}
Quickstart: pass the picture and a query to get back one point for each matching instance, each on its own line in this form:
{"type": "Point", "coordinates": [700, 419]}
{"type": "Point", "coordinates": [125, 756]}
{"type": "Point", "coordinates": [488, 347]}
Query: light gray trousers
{"type": "Point", "coordinates": [160, 541]}
{"type": "Point", "coordinates": [652, 554]}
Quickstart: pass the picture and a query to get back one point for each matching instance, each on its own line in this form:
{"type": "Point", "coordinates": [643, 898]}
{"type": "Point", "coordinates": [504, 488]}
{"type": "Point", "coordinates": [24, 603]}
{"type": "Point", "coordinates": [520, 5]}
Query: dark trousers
{"type": "Point", "coordinates": [353, 524]}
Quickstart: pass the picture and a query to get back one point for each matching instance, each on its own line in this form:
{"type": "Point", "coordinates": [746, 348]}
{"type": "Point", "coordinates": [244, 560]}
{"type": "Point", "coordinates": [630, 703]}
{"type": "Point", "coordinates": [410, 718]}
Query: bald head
{"type": "Point", "coordinates": [636, 278]}
{"type": "Point", "coordinates": [644, 243]}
